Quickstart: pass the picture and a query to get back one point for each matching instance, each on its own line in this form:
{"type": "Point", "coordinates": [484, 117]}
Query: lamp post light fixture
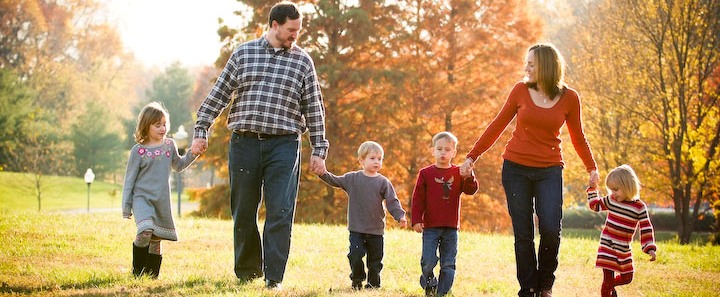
{"type": "Point", "coordinates": [89, 178]}
{"type": "Point", "coordinates": [181, 140]}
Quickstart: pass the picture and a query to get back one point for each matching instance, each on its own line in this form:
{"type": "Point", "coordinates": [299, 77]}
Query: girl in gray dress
{"type": "Point", "coordinates": [146, 192]}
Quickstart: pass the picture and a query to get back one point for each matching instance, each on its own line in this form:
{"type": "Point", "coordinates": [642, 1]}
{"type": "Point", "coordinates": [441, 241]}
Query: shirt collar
{"type": "Point", "coordinates": [264, 43]}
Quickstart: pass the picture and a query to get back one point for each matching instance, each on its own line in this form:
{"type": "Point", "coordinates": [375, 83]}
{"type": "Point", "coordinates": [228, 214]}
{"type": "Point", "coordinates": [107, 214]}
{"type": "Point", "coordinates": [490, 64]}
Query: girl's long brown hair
{"type": "Point", "coordinates": [150, 114]}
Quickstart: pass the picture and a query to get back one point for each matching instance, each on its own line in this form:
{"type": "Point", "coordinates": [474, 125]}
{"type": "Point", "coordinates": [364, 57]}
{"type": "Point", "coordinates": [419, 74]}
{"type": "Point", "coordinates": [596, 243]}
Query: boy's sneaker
{"type": "Point", "coordinates": [431, 291]}
{"type": "Point", "coordinates": [368, 286]}
{"type": "Point", "coordinates": [429, 284]}
{"type": "Point", "coordinates": [357, 286]}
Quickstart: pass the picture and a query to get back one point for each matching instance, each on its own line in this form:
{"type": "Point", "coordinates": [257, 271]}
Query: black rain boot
{"type": "Point", "coordinates": [153, 265]}
{"type": "Point", "coordinates": [140, 259]}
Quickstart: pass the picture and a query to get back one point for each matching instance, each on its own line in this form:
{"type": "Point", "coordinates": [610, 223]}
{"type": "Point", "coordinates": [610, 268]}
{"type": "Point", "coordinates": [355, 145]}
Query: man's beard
{"type": "Point", "coordinates": [287, 44]}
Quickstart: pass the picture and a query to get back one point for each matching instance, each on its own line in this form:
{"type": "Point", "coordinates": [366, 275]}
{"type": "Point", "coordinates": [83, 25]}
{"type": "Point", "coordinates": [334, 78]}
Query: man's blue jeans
{"type": "Point", "coordinates": [539, 190]}
{"type": "Point", "coordinates": [444, 240]}
{"type": "Point", "coordinates": [263, 170]}
{"type": "Point", "coordinates": [360, 245]}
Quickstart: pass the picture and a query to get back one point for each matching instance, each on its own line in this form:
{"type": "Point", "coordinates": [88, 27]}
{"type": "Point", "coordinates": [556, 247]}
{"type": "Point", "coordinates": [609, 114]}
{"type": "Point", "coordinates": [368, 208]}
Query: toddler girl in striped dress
{"type": "Point", "coordinates": [625, 212]}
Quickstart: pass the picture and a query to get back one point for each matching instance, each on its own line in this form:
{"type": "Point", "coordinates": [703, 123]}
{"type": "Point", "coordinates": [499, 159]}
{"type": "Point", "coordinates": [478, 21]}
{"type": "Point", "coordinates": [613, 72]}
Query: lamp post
{"type": "Point", "coordinates": [89, 178]}
{"type": "Point", "coordinates": [180, 139]}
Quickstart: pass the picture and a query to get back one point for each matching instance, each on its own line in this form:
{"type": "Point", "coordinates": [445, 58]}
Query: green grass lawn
{"type": "Point", "coordinates": [17, 193]}
{"type": "Point", "coordinates": [60, 254]}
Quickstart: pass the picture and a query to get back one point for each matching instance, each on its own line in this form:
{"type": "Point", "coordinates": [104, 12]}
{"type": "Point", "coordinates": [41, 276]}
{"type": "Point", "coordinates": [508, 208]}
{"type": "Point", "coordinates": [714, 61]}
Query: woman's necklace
{"type": "Point", "coordinates": [544, 96]}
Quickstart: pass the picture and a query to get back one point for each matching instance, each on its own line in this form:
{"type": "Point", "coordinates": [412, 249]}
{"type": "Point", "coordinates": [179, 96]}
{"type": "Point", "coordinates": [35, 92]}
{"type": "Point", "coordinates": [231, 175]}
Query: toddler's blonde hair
{"type": "Point", "coordinates": [369, 146]}
{"type": "Point", "coordinates": [624, 178]}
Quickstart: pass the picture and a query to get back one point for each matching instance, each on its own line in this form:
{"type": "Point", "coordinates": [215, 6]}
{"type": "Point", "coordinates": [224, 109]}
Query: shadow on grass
{"type": "Point", "coordinates": [122, 286]}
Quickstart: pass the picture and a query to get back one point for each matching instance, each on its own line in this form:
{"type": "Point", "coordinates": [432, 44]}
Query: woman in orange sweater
{"type": "Point", "coordinates": [533, 163]}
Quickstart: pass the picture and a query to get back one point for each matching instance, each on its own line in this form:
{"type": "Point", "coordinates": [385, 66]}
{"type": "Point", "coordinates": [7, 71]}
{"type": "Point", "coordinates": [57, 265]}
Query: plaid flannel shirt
{"type": "Point", "coordinates": [272, 92]}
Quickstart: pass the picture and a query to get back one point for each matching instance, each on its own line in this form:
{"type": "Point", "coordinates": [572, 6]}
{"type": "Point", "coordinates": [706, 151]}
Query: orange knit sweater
{"type": "Point", "coordinates": [535, 141]}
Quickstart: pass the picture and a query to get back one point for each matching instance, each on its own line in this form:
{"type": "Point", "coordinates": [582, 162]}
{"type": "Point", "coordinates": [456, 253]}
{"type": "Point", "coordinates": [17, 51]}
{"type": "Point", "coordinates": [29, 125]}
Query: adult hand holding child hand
{"type": "Point", "coordinates": [466, 168]}
{"type": "Point", "coordinates": [199, 145]}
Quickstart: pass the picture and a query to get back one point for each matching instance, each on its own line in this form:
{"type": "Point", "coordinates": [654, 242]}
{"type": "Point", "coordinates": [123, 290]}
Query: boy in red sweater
{"type": "Point", "coordinates": [436, 213]}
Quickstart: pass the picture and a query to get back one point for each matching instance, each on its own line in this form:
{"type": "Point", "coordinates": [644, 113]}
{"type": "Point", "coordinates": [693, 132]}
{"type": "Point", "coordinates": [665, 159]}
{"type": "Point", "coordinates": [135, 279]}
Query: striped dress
{"type": "Point", "coordinates": [623, 218]}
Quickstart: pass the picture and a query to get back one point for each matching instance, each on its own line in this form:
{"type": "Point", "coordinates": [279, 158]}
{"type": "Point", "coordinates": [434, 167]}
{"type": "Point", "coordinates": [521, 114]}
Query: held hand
{"type": "Point", "coordinates": [403, 222]}
{"type": "Point", "coordinates": [652, 255]}
{"type": "Point", "coordinates": [466, 168]}
{"type": "Point", "coordinates": [199, 145]}
{"type": "Point", "coordinates": [318, 171]}
{"type": "Point", "coordinates": [418, 227]}
{"type": "Point", "coordinates": [594, 179]}
{"type": "Point", "coordinates": [317, 165]}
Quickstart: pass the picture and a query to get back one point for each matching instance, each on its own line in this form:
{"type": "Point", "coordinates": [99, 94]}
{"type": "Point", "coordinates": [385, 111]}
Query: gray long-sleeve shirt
{"type": "Point", "coordinates": [366, 212]}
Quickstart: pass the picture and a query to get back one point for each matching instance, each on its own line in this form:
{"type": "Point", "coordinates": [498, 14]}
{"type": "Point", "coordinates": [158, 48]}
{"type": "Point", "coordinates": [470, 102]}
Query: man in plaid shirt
{"type": "Point", "coordinates": [274, 96]}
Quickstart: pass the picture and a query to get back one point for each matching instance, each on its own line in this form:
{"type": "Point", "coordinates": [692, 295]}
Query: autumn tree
{"type": "Point", "coordinates": [96, 146]}
{"type": "Point", "coordinates": [15, 108]}
{"type": "Point", "coordinates": [653, 66]}
{"type": "Point", "coordinates": [66, 55]}
{"type": "Point", "coordinates": [389, 73]}
{"type": "Point", "coordinates": [462, 57]}
{"type": "Point", "coordinates": [173, 88]}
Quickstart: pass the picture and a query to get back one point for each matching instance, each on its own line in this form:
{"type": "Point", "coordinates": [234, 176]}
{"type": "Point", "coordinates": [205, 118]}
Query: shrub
{"type": "Point", "coordinates": [584, 218]}
{"type": "Point", "coordinates": [214, 202]}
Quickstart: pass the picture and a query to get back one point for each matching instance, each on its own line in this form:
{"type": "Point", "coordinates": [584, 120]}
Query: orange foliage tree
{"type": "Point", "coordinates": [397, 72]}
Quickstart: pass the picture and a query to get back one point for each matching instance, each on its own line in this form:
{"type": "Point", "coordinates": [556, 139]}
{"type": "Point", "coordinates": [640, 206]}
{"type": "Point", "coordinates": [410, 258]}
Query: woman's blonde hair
{"type": "Point", "coordinates": [367, 147]}
{"type": "Point", "coordinates": [624, 178]}
{"type": "Point", "coordinates": [150, 114]}
{"type": "Point", "coordinates": [550, 66]}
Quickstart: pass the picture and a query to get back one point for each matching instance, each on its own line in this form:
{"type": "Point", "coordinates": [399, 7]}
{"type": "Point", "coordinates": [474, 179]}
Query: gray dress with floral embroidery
{"type": "Point", "coordinates": [146, 192]}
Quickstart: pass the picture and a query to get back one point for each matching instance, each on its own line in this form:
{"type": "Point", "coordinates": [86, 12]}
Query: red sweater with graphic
{"type": "Point", "coordinates": [436, 198]}
{"type": "Point", "coordinates": [536, 139]}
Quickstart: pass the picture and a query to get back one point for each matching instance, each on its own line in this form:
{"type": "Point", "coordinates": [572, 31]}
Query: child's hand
{"type": "Point", "coordinates": [418, 227]}
{"type": "Point", "coordinates": [466, 168]}
{"type": "Point", "coordinates": [127, 215]}
{"type": "Point", "coordinates": [652, 255]}
{"type": "Point", "coordinates": [403, 222]}
{"type": "Point", "coordinates": [594, 179]}
{"type": "Point", "coordinates": [319, 170]}
{"type": "Point", "coordinates": [199, 145]}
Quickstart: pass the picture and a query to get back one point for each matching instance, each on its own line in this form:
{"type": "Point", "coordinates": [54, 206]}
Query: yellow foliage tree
{"type": "Point", "coordinates": [653, 68]}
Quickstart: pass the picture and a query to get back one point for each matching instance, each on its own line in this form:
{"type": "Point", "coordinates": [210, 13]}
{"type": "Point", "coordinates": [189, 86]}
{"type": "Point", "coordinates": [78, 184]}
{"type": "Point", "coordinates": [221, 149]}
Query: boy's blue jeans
{"type": "Point", "coordinates": [362, 244]}
{"type": "Point", "coordinates": [538, 190]}
{"type": "Point", "coordinates": [263, 170]}
{"type": "Point", "coordinates": [445, 241]}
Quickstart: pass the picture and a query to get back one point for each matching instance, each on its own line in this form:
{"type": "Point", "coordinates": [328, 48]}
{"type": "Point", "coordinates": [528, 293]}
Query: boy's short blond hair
{"type": "Point", "coordinates": [447, 135]}
{"type": "Point", "coordinates": [624, 178]}
{"type": "Point", "coordinates": [369, 146]}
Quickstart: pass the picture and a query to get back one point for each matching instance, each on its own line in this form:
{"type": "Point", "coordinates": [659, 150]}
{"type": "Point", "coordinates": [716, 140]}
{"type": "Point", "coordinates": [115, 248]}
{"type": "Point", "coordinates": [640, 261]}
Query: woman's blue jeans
{"type": "Point", "coordinates": [260, 170]}
{"type": "Point", "coordinates": [538, 190]}
{"type": "Point", "coordinates": [445, 241]}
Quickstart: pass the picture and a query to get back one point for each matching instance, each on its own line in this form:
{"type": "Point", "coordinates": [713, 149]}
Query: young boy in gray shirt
{"type": "Point", "coordinates": [366, 190]}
